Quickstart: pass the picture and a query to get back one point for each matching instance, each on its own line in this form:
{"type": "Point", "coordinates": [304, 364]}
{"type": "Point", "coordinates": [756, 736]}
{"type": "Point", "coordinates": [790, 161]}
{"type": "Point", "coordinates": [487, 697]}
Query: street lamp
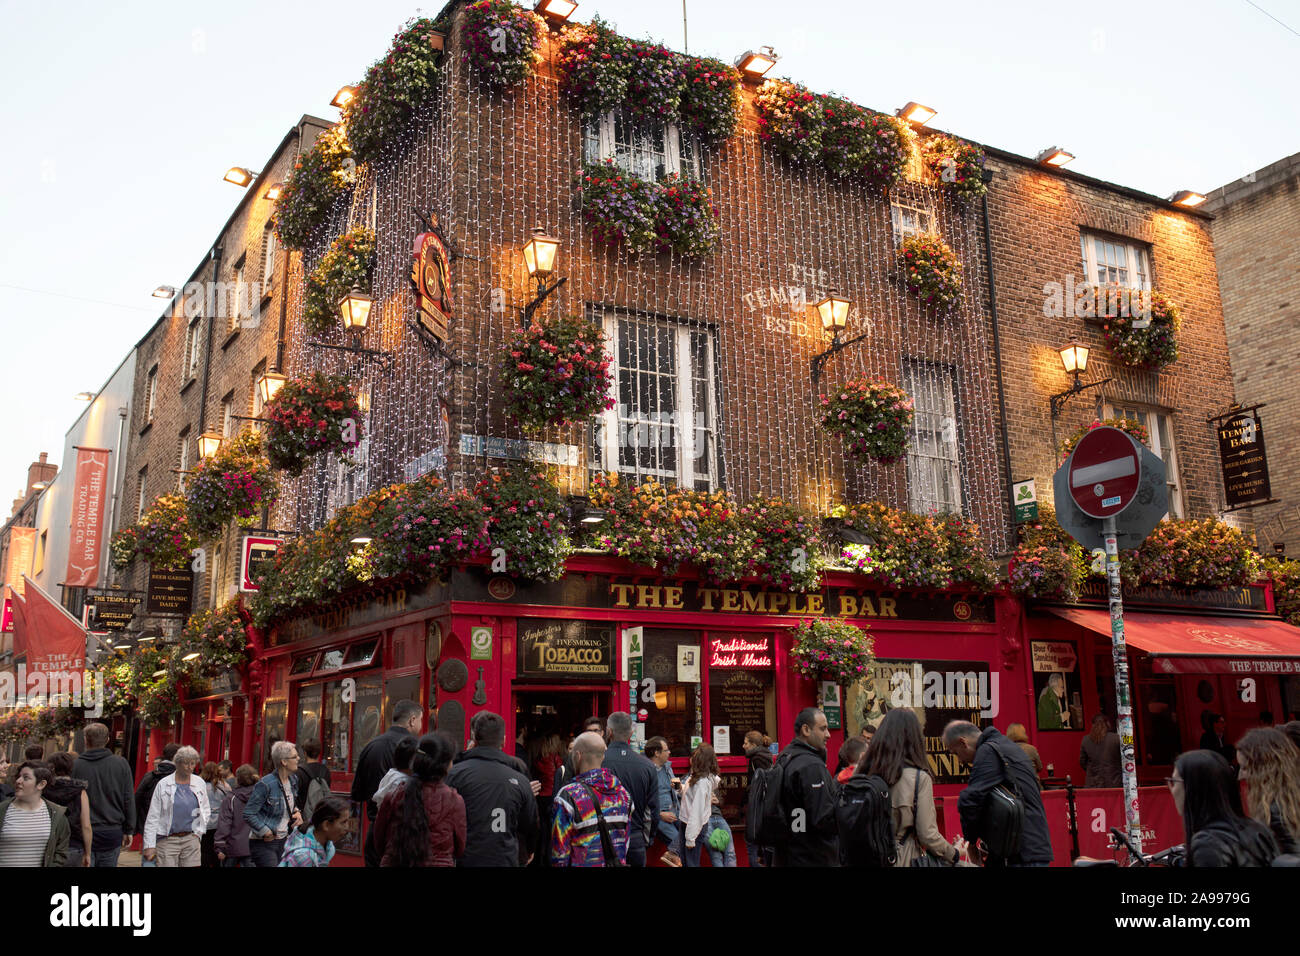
{"type": "Point", "coordinates": [555, 11]}
{"type": "Point", "coordinates": [539, 254]}
{"type": "Point", "coordinates": [754, 65]}
{"type": "Point", "coordinates": [917, 114]}
{"type": "Point", "coordinates": [833, 309]}
{"type": "Point", "coordinates": [269, 384]}
{"type": "Point", "coordinates": [1054, 156]}
{"type": "Point", "coordinates": [240, 176]}
{"type": "Point", "coordinates": [84, 396]}
{"type": "Point", "coordinates": [209, 445]}
{"type": "Point", "coordinates": [1074, 359]}
{"type": "Point", "coordinates": [355, 310]}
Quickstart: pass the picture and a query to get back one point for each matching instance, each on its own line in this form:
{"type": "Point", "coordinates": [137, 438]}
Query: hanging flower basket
{"type": "Point", "coordinates": [687, 222]}
{"type": "Point", "coordinates": [556, 373]}
{"type": "Point", "coordinates": [710, 105]}
{"type": "Point", "coordinates": [489, 26]}
{"type": "Point", "coordinates": [594, 65]}
{"type": "Point", "coordinates": [931, 271]}
{"type": "Point", "coordinates": [864, 145]}
{"type": "Point", "coordinates": [1152, 347]}
{"type": "Point", "coordinates": [1046, 570]}
{"type": "Point", "coordinates": [956, 164]}
{"type": "Point", "coordinates": [675, 213]}
{"type": "Point", "coordinates": [319, 177]}
{"type": "Point", "coordinates": [873, 418]}
{"type": "Point", "coordinates": [791, 121]}
{"type": "Point", "coordinates": [319, 413]}
{"type": "Point", "coordinates": [831, 650]}
{"type": "Point", "coordinates": [394, 90]}
{"type": "Point", "coordinates": [1123, 424]}
{"type": "Point", "coordinates": [233, 485]}
{"type": "Point", "coordinates": [162, 537]}
{"type": "Point", "coordinates": [915, 551]}
{"type": "Point", "coordinates": [219, 637]}
{"type": "Point", "coordinates": [345, 266]}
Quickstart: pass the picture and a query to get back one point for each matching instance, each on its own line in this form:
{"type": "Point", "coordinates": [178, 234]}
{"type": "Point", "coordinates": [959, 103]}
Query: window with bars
{"type": "Point", "coordinates": [663, 425]}
{"type": "Point", "coordinates": [1108, 261]}
{"type": "Point", "coordinates": [649, 151]}
{"type": "Point", "coordinates": [910, 221]}
{"type": "Point", "coordinates": [933, 462]}
{"type": "Point", "coordinates": [1161, 429]}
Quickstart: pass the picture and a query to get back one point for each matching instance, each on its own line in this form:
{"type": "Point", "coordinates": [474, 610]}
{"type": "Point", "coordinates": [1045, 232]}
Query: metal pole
{"type": "Point", "coordinates": [1123, 702]}
{"type": "Point", "coordinates": [685, 48]}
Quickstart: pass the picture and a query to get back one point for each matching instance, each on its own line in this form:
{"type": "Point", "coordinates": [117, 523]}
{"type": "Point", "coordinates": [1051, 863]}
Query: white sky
{"type": "Point", "coordinates": [120, 119]}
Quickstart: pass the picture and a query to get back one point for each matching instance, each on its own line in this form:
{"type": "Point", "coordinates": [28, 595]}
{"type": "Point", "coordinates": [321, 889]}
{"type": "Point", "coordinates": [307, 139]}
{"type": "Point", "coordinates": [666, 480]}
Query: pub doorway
{"type": "Point", "coordinates": [546, 712]}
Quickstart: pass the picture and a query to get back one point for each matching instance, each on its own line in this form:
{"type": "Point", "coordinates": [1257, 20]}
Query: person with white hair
{"type": "Point", "coordinates": [178, 814]}
{"type": "Point", "coordinates": [272, 808]}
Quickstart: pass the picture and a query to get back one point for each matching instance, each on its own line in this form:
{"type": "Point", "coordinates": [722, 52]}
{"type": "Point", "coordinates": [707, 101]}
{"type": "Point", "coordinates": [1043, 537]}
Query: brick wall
{"type": "Point", "coordinates": [1256, 233]}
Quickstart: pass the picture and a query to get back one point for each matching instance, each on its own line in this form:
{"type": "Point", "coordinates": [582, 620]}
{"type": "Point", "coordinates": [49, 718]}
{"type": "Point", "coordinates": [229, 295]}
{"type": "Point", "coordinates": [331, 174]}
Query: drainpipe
{"type": "Point", "coordinates": [117, 488]}
{"type": "Point", "coordinates": [210, 308]}
{"type": "Point", "coordinates": [987, 176]}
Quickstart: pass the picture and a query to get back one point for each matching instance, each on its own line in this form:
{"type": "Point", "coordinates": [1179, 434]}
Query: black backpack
{"type": "Point", "coordinates": [1004, 814]}
{"type": "Point", "coordinates": [865, 820]}
{"type": "Point", "coordinates": [765, 819]}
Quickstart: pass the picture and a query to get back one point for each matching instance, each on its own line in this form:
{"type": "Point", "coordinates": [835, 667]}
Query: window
{"type": "Point", "coordinates": [1115, 262]}
{"type": "Point", "coordinates": [228, 425]}
{"type": "Point", "coordinates": [933, 466]}
{"type": "Point", "coordinates": [216, 592]}
{"type": "Point", "coordinates": [183, 459]}
{"type": "Point", "coordinates": [345, 723]}
{"type": "Point", "coordinates": [257, 396]}
{"type": "Point", "coordinates": [150, 394]}
{"type": "Point", "coordinates": [910, 221]}
{"type": "Point", "coordinates": [268, 259]}
{"type": "Point", "coordinates": [1161, 430]}
{"type": "Point", "coordinates": [235, 309]}
{"type": "Point", "coordinates": [40, 554]}
{"type": "Point", "coordinates": [649, 151]}
{"type": "Point", "coordinates": [663, 423]}
{"type": "Point", "coordinates": [140, 495]}
{"type": "Point", "coordinates": [193, 351]}
{"type": "Point", "coordinates": [677, 712]}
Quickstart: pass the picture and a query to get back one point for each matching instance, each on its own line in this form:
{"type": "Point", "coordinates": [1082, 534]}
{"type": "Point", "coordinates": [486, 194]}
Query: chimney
{"type": "Point", "coordinates": [40, 471]}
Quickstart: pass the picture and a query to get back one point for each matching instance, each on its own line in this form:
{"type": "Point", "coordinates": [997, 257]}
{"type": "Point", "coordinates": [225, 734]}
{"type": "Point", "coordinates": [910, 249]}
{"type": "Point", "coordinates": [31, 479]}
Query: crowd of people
{"type": "Point", "coordinates": [601, 802]}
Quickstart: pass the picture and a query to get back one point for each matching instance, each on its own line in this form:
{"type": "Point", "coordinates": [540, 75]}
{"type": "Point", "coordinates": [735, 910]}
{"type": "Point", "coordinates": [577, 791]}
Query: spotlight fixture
{"type": "Point", "coordinates": [1054, 156]}
{"type": "Point", "coordinates": [754, 65]}
{"type": "Point", "coordinates": [273, 191]}
{"type": "Point", "coordinates": [917, 114]}
{"type": "Point", "coordinates": [344, 96]}
{"type": "Point", "coordinates": [84, 396]}
{"type": "Point", "coordinates": [240, 176]}
{"type": "Point", "coordinates": [555, 11]}
{"type": "Point", "coordinates": [164, 292]}
{"type": "Point", "coordinates": [1187, 198]}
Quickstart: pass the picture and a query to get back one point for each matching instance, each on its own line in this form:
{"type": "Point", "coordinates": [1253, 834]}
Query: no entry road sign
{"type": "Point", "coordinates": [1105, 471]}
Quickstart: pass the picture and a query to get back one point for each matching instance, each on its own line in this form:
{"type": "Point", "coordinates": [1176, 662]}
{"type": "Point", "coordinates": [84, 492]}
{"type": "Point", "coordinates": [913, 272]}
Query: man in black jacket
{"type": "Point", "coordinates": [376, 759]}
{"type": "Point", "coordinates": [808, 796]}
{"type": "Point", "coordinates": [500, 809]}
{"type": "Point", "coordinates": [639, 777]}
{"type": "Point", "coordinates": [996, 760]}
{"type": "Point", "coordinates": [162, 767]}
{"type": "Point", "coordinates": [112, 802]}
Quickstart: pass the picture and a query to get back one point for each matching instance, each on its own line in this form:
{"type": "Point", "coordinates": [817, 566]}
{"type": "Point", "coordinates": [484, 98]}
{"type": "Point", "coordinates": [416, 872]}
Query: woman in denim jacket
{"type": "Point", "coordinates": [272, 808]}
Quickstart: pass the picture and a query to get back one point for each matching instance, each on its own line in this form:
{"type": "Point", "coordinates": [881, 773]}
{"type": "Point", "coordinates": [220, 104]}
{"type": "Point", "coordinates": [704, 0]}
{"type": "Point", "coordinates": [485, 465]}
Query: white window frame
{"type": "Point", "coordinates": [1162, 443]}
{"type": "Point", "coordinates": [941, 380]}
{"type": "Point", "coordinates": [140, 495]}
{"type": "Point", "coordinates": [192, 351]}
{"type": "Point", "coordinates": [1137, 261]}
{"type": "Point", "coordinates": [609, 428]}
{"type": "Point", "coordinates": [607, 147]}
{"type": "Point", "coordinates": [228, 427]}
{"type": "Point", "coordinates": [924, 216]}
{"type": "Point", "coordinates": [236, 309]}
{"type": "Point", "coordinates": [269, 250]}
{"type": "Point", "coordinates": [151, 394]}
{"type": "Point", "coordinates": [184, 461]}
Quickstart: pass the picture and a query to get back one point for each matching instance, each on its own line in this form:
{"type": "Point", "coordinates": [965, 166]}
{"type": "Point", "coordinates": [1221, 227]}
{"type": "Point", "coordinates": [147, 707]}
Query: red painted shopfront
{"type": "Point", "coordinates": [715, 663]}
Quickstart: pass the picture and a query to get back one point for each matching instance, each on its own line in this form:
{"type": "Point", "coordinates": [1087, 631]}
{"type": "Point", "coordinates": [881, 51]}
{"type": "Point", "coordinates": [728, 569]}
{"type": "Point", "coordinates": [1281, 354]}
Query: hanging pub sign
{"type": "Point", "coordinates": [1245, 463]}
{"type": "Point", "coordinates": [573, 649]}
{"type": "Point", "coordinates": [431, 278]}
{"type": "Point", "coordinates": [170, 592]}
{"type": "Point", "coordinates": [258, 552]}
{"type": "Point", "coordinates": [111, 612]}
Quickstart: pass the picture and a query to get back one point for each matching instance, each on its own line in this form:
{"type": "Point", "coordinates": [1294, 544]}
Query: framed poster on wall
{"type": "Point", "coordinates": [1058, 689]}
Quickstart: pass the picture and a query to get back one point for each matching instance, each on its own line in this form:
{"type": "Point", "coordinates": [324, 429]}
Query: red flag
{"type": "Point", "coordinates": [87, 528]}
{"type": "Point", "coordinates": [52, 637]}
{"type": "Point", "coordinates": [19, 609]}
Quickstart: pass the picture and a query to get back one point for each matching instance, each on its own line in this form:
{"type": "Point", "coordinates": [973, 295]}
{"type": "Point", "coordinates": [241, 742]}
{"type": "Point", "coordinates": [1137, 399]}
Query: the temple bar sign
{"type": "Point", "coordinates": [1245, 463]}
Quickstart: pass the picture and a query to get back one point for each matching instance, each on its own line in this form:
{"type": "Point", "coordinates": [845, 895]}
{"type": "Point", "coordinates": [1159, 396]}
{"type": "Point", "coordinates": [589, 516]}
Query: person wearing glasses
{"type": "Point", "coordinates": [272, 808]}
{"type": "Point", "coordinates": [1216, 832]}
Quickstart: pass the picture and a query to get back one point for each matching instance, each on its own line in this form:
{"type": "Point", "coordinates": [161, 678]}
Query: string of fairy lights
{"type": "Point", "coordinates": [492, 165]}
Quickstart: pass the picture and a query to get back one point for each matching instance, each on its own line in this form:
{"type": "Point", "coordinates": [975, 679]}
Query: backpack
{"type": "Point", "coordinates": [865, 820]}
{"type": "Point", "coordinates": [765, 819]}
{"type": "Point", "coordinates": [1004, 815]}
{"type": "Point", "coordinates": [317, 791]}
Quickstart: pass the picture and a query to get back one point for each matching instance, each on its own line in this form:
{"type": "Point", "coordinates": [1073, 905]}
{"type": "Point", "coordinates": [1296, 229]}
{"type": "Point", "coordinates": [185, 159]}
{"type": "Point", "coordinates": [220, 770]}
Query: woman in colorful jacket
{"type": "Point", "coordinates": [313, 843]}
{"type": "Point", "coordinates": [272, 808]}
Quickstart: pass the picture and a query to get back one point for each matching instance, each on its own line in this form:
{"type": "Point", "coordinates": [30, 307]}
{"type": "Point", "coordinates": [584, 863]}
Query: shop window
{"type": "Point", "coordinates": [306, 726]}
{"type": "Point", "coordinates": [335, 728]}
{"type": "Point", "coordinates": [1159, 738]}
{"type": "Point", "coordinates": [649, 150]}
{"type": "Point", "coordinates": [663, 423]}
{"type": "Point", "coordinates": [910, 221]}
{"type": "Point", "coordinates": [274, 714]}
{"type": "Point", "coordinates": [1114, 262]}
{"type": "Point", "coordinates": [332, 659]}
{"type": "Point", "coordinates": [367, 712]}
{"type": "Point", "coordinates": [398, 688]}
{"type": "Point", "coordinates": [933, 464]}
{"type": "Point", "coordinates": [742, 691]}
{"type": "Point", "coordinates": [676, 713]}
{"type": "Point", "coordinates": [1161, 429]}
{"type": "Point", "coordinates": [359, 655]}
{"type": "Point", "coordinates": [303, 664]}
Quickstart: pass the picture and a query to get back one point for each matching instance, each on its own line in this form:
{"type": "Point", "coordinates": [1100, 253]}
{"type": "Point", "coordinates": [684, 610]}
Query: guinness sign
{"type": "Point", "coordinates": [431, 279]}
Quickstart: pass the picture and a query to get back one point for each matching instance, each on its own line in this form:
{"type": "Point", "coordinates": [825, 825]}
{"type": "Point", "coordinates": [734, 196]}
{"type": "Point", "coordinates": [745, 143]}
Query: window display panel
{"type": "Point", "coordinates": [274, 714]}
{"type": "Point", "coordinates": [742, 691]}
{"type": "Point", "coordinates": [367, 712]}
{"type": "Point", "coordinates": [398, 688]}
{"type": "Point", "coordinates": [307, 725]}
{"type": "Point", "coordinates": [335, 726]}
{"type": "Point", "coordinates": [672, 661]}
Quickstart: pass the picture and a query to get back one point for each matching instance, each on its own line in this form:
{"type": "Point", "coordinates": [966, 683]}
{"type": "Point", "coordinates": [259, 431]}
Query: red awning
{"type": "Point", "coordinates": [1188, 644]}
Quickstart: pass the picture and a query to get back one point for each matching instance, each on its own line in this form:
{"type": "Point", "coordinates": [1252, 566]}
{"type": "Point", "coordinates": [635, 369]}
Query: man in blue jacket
{"type": "Point", "coordinates": [641, 780]}
{"type": "Point", "coordinates": [996, 760]}
{"type": "Point", "coordinates": [659, 753]}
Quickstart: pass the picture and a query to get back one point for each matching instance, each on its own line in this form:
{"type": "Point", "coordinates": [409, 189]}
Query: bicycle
{"type": "Point", "coordinates": [1173, 856]}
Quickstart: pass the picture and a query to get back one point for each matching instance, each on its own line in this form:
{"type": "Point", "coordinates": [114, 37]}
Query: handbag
{"type": "Point", "coordinates": [1004, 815]}
{"type": "Point", "coordinates": [924, 857]}
{"type": "Point", "coordinates": [606, 841]}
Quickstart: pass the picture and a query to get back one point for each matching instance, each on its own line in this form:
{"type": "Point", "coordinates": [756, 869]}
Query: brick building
{"type": "Point", "coordinates": [1256, 229]}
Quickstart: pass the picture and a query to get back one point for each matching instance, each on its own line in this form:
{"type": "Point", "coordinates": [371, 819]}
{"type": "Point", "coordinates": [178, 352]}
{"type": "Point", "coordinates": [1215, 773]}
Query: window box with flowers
{"type": "Point", "coordinates": [394, 91]}
{"type": "Point", "coordinates": [831, 650]}
{"type": "Point", "coordinates": [1152, 347]}
{"type": "Point", "coordinates": [931, 271]}
{"type": "Point", "coordinates": [556, 373]}
{"type": "Point", "coordinates": [864, 145]}
{"type": "Point", "coordinates": [956, 164]}
{"type": "Point", "coordinates": [1047, 563]}
{"type": "Point", "coordinates": [345, 266]}
{"type": "Point", "coordinates": [310, 415]}
{"type": "Point", "coordinates": [501, 41]}
{"type": "Point", "coordinates": [162, 537]}
{"type": "Point", "coordinates": [318, 179]}
{"type": "Point", "coordinates": [915, 551]}
{"type": "Point", "coordinates": [791, 120]}
{"type": "Point", "coordinates": [233, 485]}
{"type": "Point", "coordinates": [873, 418]}
{"type": "Point", "coordinates": [676, 213]}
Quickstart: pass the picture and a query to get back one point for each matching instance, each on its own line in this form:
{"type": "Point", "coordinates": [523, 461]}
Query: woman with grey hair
{"type": "Point", "coordinates": [178, 814]}
{"type": "Point", "coordinates": [272, 808]}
